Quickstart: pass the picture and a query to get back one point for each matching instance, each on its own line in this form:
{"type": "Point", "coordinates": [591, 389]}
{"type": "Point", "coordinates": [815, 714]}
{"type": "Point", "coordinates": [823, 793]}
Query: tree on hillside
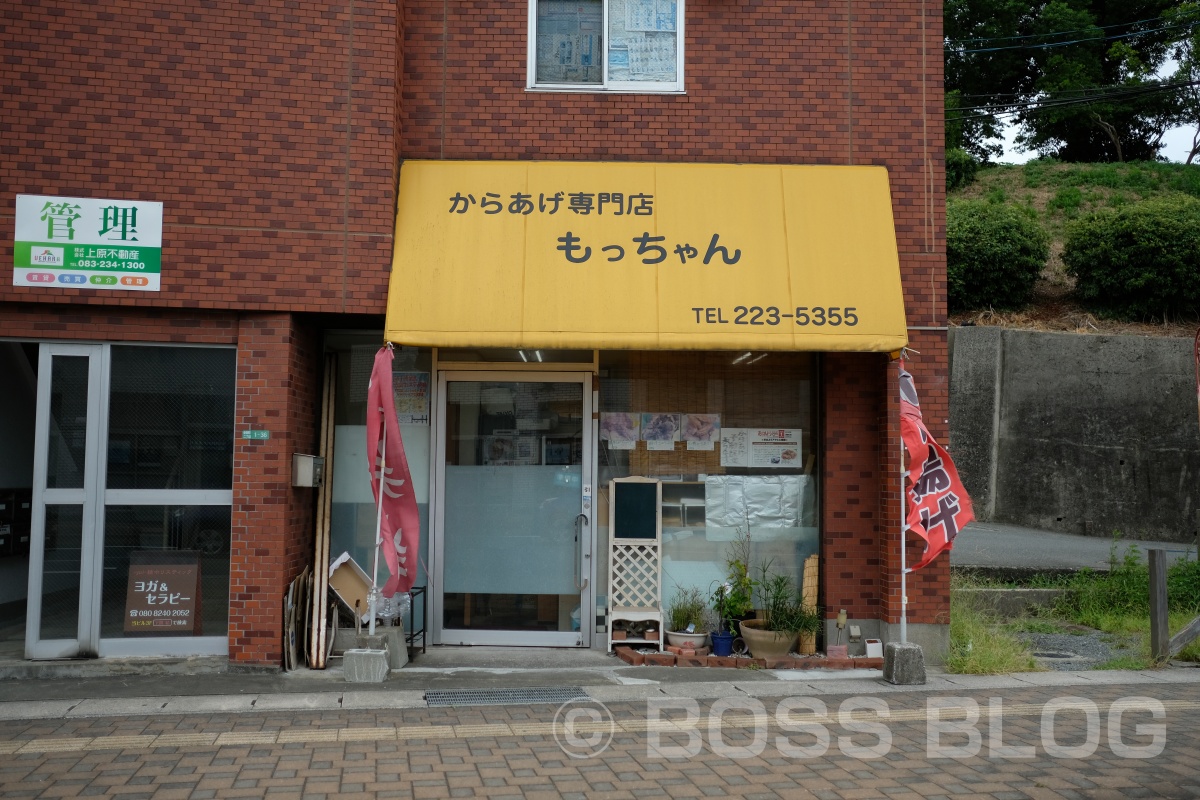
{"type": "Point", "coordinates": [1097, 99]}
{"type": "Point", "coordinates": [1187, 76]}
{"type": "Point", "coordinates": [1078, 76]}
{"type": "Point", "coordinates": [984, 74]}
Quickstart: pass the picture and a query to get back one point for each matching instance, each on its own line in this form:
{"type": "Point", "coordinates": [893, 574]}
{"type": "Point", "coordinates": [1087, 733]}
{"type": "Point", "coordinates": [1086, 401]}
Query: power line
{"type": "Point", "coordinates": [1098, 93]}
{"type": "Point", "coordinates": [1058, 33]}
{"type": "Point", "coordinates": [1050, 45]}
{"type": "Point", "coordinates": [1046, 104]}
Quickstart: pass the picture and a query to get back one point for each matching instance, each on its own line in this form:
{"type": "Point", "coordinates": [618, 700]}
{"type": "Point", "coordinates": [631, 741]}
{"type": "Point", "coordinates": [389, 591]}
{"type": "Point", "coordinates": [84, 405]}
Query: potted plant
{"type": "Point", "coordinates": [686, 618]}
{"type": "Point", "coordinates": [733, 600]}
{"type": "Point", "coordinates": [722, 634]}
{"type": "Point", "coordinates": [780, 617]}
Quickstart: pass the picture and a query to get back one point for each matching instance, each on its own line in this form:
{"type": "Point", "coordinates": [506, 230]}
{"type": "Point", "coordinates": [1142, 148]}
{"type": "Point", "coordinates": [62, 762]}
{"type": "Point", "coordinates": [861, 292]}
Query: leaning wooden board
{"type": "Point", "coordinates": [318, 632]}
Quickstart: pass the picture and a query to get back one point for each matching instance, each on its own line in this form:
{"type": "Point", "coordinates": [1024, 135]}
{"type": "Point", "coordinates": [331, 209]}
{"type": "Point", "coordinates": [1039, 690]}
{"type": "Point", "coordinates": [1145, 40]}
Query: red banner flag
{"type": "Point", "coordinates": [400, 524]}
{"type": "Point", "coordinates": [938, 505]}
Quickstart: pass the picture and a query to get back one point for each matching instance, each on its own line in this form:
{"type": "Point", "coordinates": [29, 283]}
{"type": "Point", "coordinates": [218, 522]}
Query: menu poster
{"type": "Point", "coordinates": [777, 448]}
{"type": "Point", "coordinates": [411, 393]}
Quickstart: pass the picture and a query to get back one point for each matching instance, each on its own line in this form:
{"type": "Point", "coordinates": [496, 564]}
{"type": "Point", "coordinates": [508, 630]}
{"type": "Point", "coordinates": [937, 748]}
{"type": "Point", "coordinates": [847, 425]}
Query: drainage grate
{"type": "Point", "coordinates": [504, 697]}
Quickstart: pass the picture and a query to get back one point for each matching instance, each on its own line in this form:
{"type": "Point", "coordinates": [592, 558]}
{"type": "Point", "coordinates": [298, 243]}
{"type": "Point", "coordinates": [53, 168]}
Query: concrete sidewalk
{"type": "Point", "coordinates": [309, 690]}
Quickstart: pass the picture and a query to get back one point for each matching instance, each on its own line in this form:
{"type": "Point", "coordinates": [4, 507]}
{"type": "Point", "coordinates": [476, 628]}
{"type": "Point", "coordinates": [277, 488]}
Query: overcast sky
{"type": "Point", "coordinates": [1176, 142]}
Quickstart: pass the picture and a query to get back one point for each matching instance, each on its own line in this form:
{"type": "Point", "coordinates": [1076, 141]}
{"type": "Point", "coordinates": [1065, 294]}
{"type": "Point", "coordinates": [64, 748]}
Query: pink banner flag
{"type": "Point", "coordinates": [938, 505]}
{"type": "Point", "coordinates": [400, 524]}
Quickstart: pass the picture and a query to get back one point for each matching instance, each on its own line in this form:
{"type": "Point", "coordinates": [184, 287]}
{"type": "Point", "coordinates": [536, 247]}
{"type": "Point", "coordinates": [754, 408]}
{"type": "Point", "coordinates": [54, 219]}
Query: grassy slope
{"type": "Point", "coordinates": [1060, 193]}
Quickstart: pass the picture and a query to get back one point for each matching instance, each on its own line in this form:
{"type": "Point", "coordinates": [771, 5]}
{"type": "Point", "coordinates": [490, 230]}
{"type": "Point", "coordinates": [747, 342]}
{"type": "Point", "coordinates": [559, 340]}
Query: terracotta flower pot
{"type": "Point", "coordinates": [764, 643]}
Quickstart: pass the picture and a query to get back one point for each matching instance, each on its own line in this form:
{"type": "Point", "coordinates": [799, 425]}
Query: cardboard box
{"type": "Point", "coordinates": [352, 586]}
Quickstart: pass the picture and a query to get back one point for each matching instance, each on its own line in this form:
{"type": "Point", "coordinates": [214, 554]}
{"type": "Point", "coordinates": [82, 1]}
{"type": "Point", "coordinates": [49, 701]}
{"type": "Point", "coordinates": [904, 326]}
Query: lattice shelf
{"type": "Point", "coordinates": [635, 562]}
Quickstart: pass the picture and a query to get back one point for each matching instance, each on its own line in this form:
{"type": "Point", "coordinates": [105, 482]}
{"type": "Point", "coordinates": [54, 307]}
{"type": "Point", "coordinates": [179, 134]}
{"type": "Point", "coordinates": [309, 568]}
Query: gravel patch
{"type": "Point", "coordinates": [1068, 651]}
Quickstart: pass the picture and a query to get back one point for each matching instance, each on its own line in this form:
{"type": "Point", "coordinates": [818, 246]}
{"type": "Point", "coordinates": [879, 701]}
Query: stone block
{"type": "Point", "coordinates": [365, 666]}
{"type": "Point", "coordinates": [903, 664]}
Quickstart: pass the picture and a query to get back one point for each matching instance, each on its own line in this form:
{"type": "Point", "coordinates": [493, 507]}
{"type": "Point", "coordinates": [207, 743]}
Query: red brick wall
{"type": "Point", "coordinates": [861, 485]}
{"type": "Point", "coordinates": [38, 321]}
{"type": "Point", "coordinates": [278, 366]}
{"type": "Point", "coordinates": [852, 478]}
{"type": "Point", "coordinates": [266, 129]}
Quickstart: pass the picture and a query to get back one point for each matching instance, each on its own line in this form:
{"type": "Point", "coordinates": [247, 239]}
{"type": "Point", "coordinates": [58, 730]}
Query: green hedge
{"type": "Point", "coordinates": [961, 167]}
{"type": "Point", "coordinates": [1141, 261]}
{"type": "Point", "coordinates": [994, 254]}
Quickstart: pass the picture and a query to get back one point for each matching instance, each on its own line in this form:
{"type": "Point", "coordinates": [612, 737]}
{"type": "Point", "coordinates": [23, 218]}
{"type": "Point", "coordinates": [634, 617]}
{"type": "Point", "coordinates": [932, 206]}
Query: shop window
{"type": "Point", "coordinates": [606, 45]}
{"type": "Point", "coordinates": [733, 438]}
{"type": "Point", "coordinates": [171, 418]}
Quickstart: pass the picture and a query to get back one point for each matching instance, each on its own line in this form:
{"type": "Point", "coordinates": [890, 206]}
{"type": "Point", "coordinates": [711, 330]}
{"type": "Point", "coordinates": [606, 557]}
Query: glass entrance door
{"type": "Point", "coordinates": [132, 491]}
{"type": "Point", "coordinates": [66, 505]}
{"type": "Point", "coordinates": [513, 526]}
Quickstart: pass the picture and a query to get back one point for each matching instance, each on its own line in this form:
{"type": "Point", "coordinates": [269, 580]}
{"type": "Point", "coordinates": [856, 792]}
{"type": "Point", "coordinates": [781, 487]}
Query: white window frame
{"type": "Point", "coordinates": [607, 86]}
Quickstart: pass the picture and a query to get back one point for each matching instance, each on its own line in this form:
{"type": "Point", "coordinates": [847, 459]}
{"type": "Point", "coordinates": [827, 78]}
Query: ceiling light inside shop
{"type": "Point", "coordinates": [742, 358]}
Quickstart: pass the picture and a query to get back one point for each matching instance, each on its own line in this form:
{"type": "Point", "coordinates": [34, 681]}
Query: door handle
{"type": "Point", "coordinates": [580, 521]}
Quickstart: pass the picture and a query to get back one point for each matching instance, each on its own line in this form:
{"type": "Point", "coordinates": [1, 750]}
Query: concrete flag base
{"type": "Point", "coordinates": [365, 666]}
{"type": "Point", "coordinates": [904, 664]}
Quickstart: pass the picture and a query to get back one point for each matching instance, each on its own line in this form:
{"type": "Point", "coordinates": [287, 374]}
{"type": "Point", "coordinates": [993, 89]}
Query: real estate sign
{"type": "Point", "coordinates": [82, 243]}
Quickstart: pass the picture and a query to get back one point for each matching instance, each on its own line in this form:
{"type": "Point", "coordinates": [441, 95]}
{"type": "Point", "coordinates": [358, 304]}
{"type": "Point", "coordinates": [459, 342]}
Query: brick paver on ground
{"type": "Point", "coordinates": [872, 744]}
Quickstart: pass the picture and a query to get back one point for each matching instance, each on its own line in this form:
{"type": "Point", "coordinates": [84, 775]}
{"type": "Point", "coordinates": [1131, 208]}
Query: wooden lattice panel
{"type": "Point", "coordinates": [635, 576]}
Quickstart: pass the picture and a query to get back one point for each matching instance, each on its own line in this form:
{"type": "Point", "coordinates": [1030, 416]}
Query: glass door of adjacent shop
{"type": "Point", "coordinates": [132, 489]}
{"type": "Point", "coordinates": [513, 525]}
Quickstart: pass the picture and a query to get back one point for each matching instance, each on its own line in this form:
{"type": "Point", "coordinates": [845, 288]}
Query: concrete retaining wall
{"type": "Point", "coordinates": [1077, 433]}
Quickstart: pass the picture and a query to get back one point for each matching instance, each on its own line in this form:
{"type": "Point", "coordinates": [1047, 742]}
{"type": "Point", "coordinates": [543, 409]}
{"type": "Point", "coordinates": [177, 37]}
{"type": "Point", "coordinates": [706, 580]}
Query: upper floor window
{"type": "Point", "coordinates": [606, 45]}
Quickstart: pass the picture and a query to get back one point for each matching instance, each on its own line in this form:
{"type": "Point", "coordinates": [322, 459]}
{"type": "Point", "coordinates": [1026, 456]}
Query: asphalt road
{"type": "Point", "coordinates": [991, 544]}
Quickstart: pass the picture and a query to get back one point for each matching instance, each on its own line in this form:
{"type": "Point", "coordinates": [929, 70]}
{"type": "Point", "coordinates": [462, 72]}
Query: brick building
{"type": "Point", "coordinates": [152, 416]}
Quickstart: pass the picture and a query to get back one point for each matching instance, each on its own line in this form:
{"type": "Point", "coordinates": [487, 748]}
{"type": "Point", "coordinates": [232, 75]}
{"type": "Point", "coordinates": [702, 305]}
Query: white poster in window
{"type": "Point", "coordinates": [660, 427]}
{"type": "Point", "coordinates": [767, 448]}
{"type": "Point", "coordinates": [701, 431]}
{"type": "Point", "coordinates": [621, 429]}
{"type": "Point", "coordinates": [660, 431]}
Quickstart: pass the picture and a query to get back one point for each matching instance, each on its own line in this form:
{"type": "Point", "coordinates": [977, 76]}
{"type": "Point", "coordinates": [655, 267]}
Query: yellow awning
{"type": "Point", "coordinates": [645, 256]}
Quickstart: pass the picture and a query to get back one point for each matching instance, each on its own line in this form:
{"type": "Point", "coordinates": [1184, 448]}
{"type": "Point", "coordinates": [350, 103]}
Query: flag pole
{"type": "Point", "coordinates": [378, 530]}
{"type": "Point", "coordinates": [903, 566]}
